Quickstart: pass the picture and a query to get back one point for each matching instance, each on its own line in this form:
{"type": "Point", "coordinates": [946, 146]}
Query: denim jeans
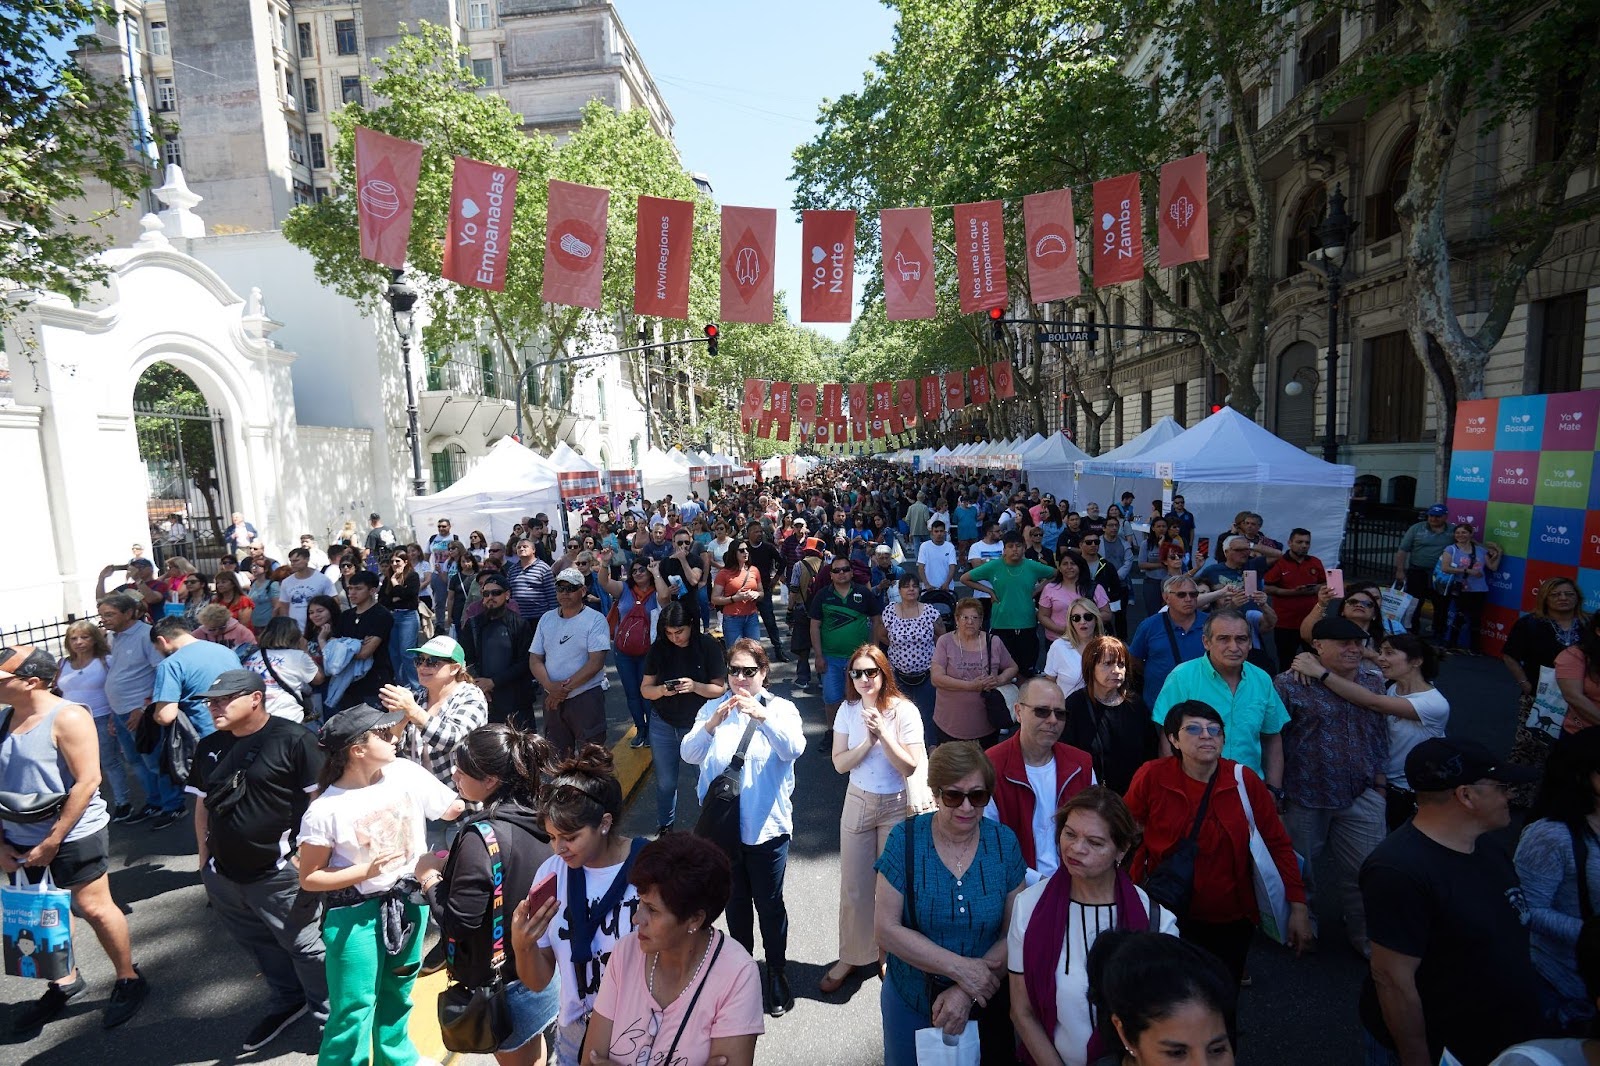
{"type": "Point", "coordinates": [665, 740]}
{"type": "Point", "coordinates": [407, 627]}
{"type": "Point", "coordinates": [630, 672]}
{"type": "Point", "coordinates": [735, 626]}
{"type": "Point", "coordinates": [758, 871]}
{"type": "Point", "coordinates": [105, 728]}
{"type": "Point", "coordinates": [705, 607]}
{"type": "Point", "coordinates": [900, 1025]}
{"type": "Point", "coordinates": [923, 695]}
{"type": "Point", "coordinates": [833, 679]}
{"type": "Point", "coordinates": [158, 791]}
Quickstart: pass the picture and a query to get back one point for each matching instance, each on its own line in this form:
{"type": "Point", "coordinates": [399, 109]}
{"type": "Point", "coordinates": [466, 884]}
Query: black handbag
{"type": "Point", "coordinates": [1171, 883]}
{"type": "Point", "coordinates": [27, 806]}
{"type": "Point", "coordinates": [229, 790]}
{"type": "Point", "coordinates": [476, 1020]}
{"type": "Point", "coordinates": [994, 704]}
{"type": "Point", "coordinates": [300, 696]}
{"type": "Point", "coordinates": [178, 743]}
{"type": "Point", "coordinates": [147, 736]}
{"type": "Point", "coordinates": [719, 812]}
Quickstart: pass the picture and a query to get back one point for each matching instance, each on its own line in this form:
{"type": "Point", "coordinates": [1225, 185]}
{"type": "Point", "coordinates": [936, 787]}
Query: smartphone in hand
{"type": "Point", "coordinates": [542, 892]}
{"type": "Point", "coordinates": [1252, 582]}
{"type": "Point", "coordinates": [1336, 583]}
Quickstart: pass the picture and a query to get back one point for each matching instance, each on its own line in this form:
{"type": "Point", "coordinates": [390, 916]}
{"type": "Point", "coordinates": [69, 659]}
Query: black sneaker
{"type": "Point", "coordinates": [32, 1017]}
{"type": "Point", "coordinates": [123, 814]}
{"type": "Point", "coordinates": [167, 818]}
{"type": "Point", "coordinates": [149, 810]}
{"type": "Point", "coordinates": [434, 961]}
{"type": "Point", "coordinates": [639, 741]}
{"type": "Point", "coordinates": [127, 996]}
{"type": "Point", "coordinates": [268, 1028]}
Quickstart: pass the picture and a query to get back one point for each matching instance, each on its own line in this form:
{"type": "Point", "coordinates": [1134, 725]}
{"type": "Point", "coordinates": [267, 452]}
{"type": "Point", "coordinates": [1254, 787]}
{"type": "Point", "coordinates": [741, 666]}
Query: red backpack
{"type": "Point", "coordinates": [632, 633]}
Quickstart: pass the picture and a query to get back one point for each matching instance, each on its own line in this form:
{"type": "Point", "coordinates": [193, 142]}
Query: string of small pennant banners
{"type": "Point", "coordinates": [477, 248]}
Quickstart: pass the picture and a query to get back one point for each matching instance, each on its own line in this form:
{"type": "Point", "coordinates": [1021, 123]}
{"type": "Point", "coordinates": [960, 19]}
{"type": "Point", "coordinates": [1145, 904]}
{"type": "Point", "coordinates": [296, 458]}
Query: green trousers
{"type": "Point", "coordinates": [369, 992]}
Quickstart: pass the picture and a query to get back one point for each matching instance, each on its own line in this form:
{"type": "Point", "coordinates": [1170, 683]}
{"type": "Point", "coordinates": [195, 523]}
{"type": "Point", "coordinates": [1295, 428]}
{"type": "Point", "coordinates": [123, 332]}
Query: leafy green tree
{"type": "Point", "coordinates": [60, 125]}
{"type": "Point", "coordinates": [775, 351]}
{"type": "Point", "coordinates": [425, 96]}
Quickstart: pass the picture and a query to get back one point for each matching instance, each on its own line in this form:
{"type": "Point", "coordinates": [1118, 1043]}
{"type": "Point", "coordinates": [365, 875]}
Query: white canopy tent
{"type": "Point", "coordinates": [663, 473]}
{"type": "Point", "coordinates": [1098, 479]}
{"type": "Point", "coordinates": [1228, 464]}
{"type": "Point", "coordinates": [1049, 466]}
{"type": "Point", "coordinates": [506, 485]}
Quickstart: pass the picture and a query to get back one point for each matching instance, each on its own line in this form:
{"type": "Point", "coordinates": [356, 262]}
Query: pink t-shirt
{"type": "Point", "coordinates": [1055, 599]}
{"type": "Point", "coordinates": [729, 1005]}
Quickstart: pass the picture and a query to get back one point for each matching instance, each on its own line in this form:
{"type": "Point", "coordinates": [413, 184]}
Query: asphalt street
{"type": "Point", "coordinates": [206, 991]}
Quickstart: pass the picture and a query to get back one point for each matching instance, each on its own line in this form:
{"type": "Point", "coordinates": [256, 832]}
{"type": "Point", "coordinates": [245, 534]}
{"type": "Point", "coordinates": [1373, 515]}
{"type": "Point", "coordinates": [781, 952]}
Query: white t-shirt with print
{"type": "Point", "coordinates": [298, 591]}
{"type": "Point", "coordinates": [388, 816]}
{"type": "Point", "coordinates": [578, 990]}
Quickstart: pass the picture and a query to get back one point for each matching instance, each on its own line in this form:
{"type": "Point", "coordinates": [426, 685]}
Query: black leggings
{"type": "Point", "coordinates": [1228, 941]}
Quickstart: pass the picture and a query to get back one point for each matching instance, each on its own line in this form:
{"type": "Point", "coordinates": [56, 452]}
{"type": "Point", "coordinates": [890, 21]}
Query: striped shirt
{"type": "Point", "coordinates": [533, 588]}
{"type": "Point", "coordinates": [965, 915]}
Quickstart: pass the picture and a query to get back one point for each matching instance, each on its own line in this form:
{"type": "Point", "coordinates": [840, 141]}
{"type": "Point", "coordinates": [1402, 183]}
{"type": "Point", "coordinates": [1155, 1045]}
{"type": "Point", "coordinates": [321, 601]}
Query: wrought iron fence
{"type": "Point", "coordinates": [51, 636]}
{"type": "Point", "coordinates": [471, 378]}
{"type": "Point", "coordinates": [1370, 541]}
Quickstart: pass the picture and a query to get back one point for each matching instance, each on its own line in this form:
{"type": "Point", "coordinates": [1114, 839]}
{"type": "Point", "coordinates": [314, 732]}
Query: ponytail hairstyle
{"type": "Point", "coordinates": [520, 760]}
{"type": "Point", "coordinates": [582, 790]}
{"type": "Point", "coordinates": [335, 763]}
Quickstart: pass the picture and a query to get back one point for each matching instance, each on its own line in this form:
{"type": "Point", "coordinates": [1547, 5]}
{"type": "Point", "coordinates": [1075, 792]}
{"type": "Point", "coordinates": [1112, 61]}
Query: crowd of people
{"type": "Point", "coordinates": [1093, 761]}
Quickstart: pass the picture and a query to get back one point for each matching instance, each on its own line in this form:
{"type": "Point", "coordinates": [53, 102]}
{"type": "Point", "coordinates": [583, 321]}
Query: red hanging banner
{"type": "Point", "coordinates": [575, 244]}
{"type": "Point", "coordinates": [908, 289]}
{"type": "Point", "coordinates": [478, 241]}
{"type": "Point", "coordinates": [755, 397]}
{"type": "Point", "coordinates": [980, 256]}
{"type": "Point", "coordinates": [749, 237]}
{"type": "Point", "coordinates": [955, 390]}
{"type": "Point", "coordinates": [827, 270]}
{"type": "Point", "coordinates": [779, 399]}
{"type": "Point", "coordinates": [822, 433]}
{"type": "Point", "coordinates": [882, 398]}
{"type": "Point", "coordinates": [1052, 246]}
{"type": "Point", "coordinates": [1005, 384]}
{"type": "Point", "coordinates": [978, 384]}
{"type": "Point", "coordinates": [832, 402]}
{"type": "Point", "coordinates": [1185, 223]}
{"type": "Point", "coordinates": [764, 427]}
{"type": "Point", "coordinates": [785, 424]}
{"type": "Point", "coordinates": [662, 248]}
{"type": "Point", "coordinates": [897, 425]}
{"type": "Point", "coordinates": [805, 406]}
{"type": "Point", "coordinates": [386, 177]}
{"type": "Point", "coordinates": [932, 400]}
{"type": "Point", "coordinates": [841, 430]}
{"type": "Point", "coordinates": [876, 427]}
{"type": "Point", "coordinates": [858, 401]}
{"type": "Point", "coordinates": [1118, 236]}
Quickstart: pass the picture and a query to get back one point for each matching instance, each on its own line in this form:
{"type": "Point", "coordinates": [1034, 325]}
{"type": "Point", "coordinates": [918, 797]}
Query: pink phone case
{"type": "Point", "coordinates": [542, 892]}
{"type": "Point", "coordinates": [1336, 583]}
{"type": "Point", "coordinates": [1251, 582]}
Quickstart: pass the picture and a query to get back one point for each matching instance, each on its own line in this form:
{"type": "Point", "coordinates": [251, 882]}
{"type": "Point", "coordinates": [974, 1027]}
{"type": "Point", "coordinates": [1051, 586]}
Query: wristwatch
{"type": "Point", "coordinates": [1277, 793]}
{"type": "Point", "coordinates": [1323, 680]}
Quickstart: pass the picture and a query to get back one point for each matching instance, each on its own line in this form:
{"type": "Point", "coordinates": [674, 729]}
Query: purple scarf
{"type": "Point", "coordinates": [1041, 946]}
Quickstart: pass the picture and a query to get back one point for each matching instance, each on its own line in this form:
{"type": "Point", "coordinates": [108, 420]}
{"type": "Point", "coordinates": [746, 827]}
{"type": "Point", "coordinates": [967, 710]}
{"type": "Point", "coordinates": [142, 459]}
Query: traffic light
{"type": "Point", "coordinates": [711, 338]}
{"type": "Point", "coordinates": [995, 315]}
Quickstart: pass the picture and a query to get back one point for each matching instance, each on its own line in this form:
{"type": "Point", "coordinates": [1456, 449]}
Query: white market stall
{"type": "Point", "coordinates": [664, 473]}
{"type": "Point", "coordinates": [1098, 479]}
{"type": "Point", "coordinates": [508, 484]}
{"type": "Point", "coordinates": [1228, 464]}
{"type": "Point", "coordinates": [1049, 467]}
{"type": "Point", "coordinates": [577, 478]}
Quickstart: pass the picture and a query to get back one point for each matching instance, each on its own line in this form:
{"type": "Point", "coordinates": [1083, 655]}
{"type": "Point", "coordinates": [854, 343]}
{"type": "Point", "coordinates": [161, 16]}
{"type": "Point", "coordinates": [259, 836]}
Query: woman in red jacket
{"type": "Point", "coordinates": [1165, 796]}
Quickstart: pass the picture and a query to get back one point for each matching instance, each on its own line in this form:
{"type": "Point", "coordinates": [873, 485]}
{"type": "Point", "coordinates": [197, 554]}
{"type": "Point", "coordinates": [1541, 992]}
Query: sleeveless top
{"type": "Point", "coordinates": [30, 762]}
{"type": "Point", "coordinates": [86, 686]}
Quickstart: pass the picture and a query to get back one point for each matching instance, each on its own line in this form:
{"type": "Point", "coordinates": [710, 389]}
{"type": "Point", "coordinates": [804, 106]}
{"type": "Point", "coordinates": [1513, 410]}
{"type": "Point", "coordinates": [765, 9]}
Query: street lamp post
{"type": "Point", "coordinates": [402, 298]}
{"type": "Point", "coordinates": [1335, 237]}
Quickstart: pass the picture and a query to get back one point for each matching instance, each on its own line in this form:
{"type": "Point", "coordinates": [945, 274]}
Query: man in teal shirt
{"type": "Point", "coordinates": [1014, 582]}
{"type": "Point", "coordinates": [1253, 715]}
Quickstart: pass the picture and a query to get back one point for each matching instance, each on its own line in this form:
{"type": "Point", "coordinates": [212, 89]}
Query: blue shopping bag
{"type": "Point", "coordinates": [37, 930]}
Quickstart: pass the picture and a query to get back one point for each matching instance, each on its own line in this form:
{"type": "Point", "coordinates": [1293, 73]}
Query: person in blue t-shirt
{"type": "Point", "coordinates": [188, 669]}
{"type": "Point", "coordinates": [966, 519]}
{"type": "Point", "coordinates": [1178, 627]}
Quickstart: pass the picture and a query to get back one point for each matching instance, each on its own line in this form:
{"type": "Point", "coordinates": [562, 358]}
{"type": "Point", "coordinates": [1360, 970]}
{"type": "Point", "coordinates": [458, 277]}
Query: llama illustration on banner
{"type": "Point", "coordinates": [907, 254]}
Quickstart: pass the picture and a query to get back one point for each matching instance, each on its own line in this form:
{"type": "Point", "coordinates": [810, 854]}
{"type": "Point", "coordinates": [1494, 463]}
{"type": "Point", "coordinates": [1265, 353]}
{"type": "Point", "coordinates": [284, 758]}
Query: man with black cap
{"type": "Point", "coordinates": [1449, 927]}
{"type": "Point", "coordinates": [495, 642]}
{"type": "Point", "coordinates": [1334, 752]}
{"type": "Point", "coordinates": [1419, 550]}
{"type": "Point", "coordinates": [50, 748]}
{"type": "Point", "coordinates": [254, 778]}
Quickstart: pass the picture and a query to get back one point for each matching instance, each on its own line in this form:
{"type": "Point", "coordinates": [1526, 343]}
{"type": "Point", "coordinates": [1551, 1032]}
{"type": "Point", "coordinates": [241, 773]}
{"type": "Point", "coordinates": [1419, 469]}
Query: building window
{"type": "Point", "coordinates": [1319, 53]}
{"type": "Point", "coordinates": [448, 466]}
{"type": "Point", "coordinates": [321, 193]}
{"type": "Point", "coordinates": [350, 89]}
{"type": "Point", "coordinates": [344, 37]}
{"type": "Point", "coordinates": [1561, 330]}
{"type": "Point", "coordinates": [297, 146]}
{"type": "Point", "coordinates": [303, 193]}
{"type": "Point", "coordinates": [1116, 417]}
{"type": "Point", "coordinates": [1147, 308]}
{"type": "Point", "coordinates": [166, 95]}
{"type": "Point", "coordinates": [283, 31]}
{"type": "Point", "coordinates": [308, 93]}
{"type": "Point", "coordinates": [1554, 117]}
{"type": "Point", "coordinates": [1180, 402]}
{"type": "Point", "coordinates": [307, 48]}
{"type": "Point", "coordinates": [171, 153]}
{"type": "Point", "coordinates": [1301, 238]}
{"type": "Point", "coordinates": [480, 15]}
{"type": "Point", "coordinates": [1183, 290]}
{"type": "Point", "coordinates": [1396, 386]}
{"type": "Point", "coordinates": [1145, 405]}
{"type": "Point", "coordinates": [483, 70]}
{"type": "Point", "coordinates": [160, 43]}
{"type": "Point", "coordinates": [1382, 220]}
{"type": "Point", "coordinates": [135, 41]}
{"type": "Point", "coordinates": [319, 154]}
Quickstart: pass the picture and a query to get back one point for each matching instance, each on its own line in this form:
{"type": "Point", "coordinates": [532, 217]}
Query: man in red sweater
{"type": "Point", "coordinates": [1035, 774]}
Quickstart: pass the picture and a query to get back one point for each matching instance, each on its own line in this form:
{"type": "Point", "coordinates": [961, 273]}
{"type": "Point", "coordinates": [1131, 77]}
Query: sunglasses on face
{"type": "Point", "coordinates": [838, 569]}
{"type": "Point", "coordinates": [1042, 713]}
{"type": "Point", "coordinates": [1190, 595]}
{"type": "Point", "coordinates": [1082, 617]}
{"type": "Point", "coordinates": [952, 797]}
{"type": "Point", "coordinates": [869, 672]}
{"type": "Point", "coordinates": [744, 671]}
{"type": "Point", "coordinates": [1210, 729]}
{"type": "Point", "coordinates": [494, 592]}
{"type": "Point", "coordinates": [562, 586]}
{"type": "Point", "coordinates": [431, 661]}
{"type": "Point", "coordinates": [1362, 602]}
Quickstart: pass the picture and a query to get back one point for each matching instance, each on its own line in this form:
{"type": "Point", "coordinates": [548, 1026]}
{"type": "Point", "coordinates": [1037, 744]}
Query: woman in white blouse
{"type": "Point", "coordinates": [1054, 923]}
{"type": "Point", "coordinates": [766, 809]}
{"type": "Point", "coordinates": [1064, 662]}
{"type": "Point", "coordinates": [878, 741]}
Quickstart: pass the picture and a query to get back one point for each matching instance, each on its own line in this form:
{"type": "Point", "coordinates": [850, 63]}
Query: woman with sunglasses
{"type": "Point", "coordinates": [574, 934]}
{"type": "Point", "coordinates": [1064, 662]}
{"type": "Point", "coordinates": [878, 742]}
{"type": "Point", "coordinates": [1166, 797]}
{"type": "Point", "coordinates": [360, 840]}
{"type": "Point", "coordinates": [453, 706]}
{"type": "Point", "coordinates": [1057, 921]}
{"type": "Point", "coordinates": [1363, 605]}
{"type": "Point", "coordinates": [736, 592]}
{"type": "Point", "coordinates": [1107, 719]}
{"type": "Point", "coordinates": [946, 885]}
{"type": "Point", "coordinates": [189, 597]}
{"type": "Point", "coordinates": [399, 591]}
{"type": "Point", "coordinates": [766, 810]}
{"type": "Point", "coordinates": [477, 544]}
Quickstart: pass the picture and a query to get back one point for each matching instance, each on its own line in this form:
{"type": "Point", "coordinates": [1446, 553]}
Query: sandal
{"type": "Point", "coordinates": [830, 984]}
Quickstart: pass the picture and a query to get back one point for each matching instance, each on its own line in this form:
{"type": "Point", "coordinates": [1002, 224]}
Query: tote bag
{"type": "Point", "coordinates": [934, 1048]}
{"type": "Point", "coordinates": [1549, 707]}
{"type": "Point", "coordinates": [1271, 897]}
{"type": "Point", "coordinates": [37, 928]}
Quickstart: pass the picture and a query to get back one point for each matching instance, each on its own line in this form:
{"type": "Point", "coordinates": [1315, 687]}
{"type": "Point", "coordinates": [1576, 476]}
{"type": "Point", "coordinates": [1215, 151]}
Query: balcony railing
{"type": "Point", "coordinates": [456, 376]}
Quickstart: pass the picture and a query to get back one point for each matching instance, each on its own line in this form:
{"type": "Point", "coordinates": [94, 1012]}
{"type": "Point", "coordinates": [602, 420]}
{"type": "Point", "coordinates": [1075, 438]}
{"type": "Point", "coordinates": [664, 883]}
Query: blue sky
{"type": "Point", "coordinates": [744, 81]}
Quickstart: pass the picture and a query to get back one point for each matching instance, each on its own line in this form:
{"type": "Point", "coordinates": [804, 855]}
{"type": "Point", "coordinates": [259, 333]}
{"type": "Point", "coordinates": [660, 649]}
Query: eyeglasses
{"type": "Point", "coordinates": [494, 592]}
{"type": "Point", "coordinates": [1210, 729]}
{"type": "Point", "coordinates": [838, 569]}
{"type": "Point", "coordinates": [953, 797]}
{"type": "Point", "coordinates": [1042, 713]}
{"type": "Point", "coordinates": [1089, 542]}
{"type": "Point", "coordinates": [431, 661]}
{"type": "Point", "coordinates": [743, 671]}
{"type": "Point", "coordinates": [1082, 617]}
{"type": "Point", "coordinates": [1190, 595]}
{"type": "Point", "coordinates": [869, 672]}
{"type": "Point", "coordinates": [562, 586]}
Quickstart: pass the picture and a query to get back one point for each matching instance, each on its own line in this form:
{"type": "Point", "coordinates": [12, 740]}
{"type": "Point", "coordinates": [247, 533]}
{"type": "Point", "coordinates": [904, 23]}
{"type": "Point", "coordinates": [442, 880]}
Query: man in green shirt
{"type": "Point", "coordinates": [841, 621]}
{"type": "Point", "coordinates": [1014, 582]}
